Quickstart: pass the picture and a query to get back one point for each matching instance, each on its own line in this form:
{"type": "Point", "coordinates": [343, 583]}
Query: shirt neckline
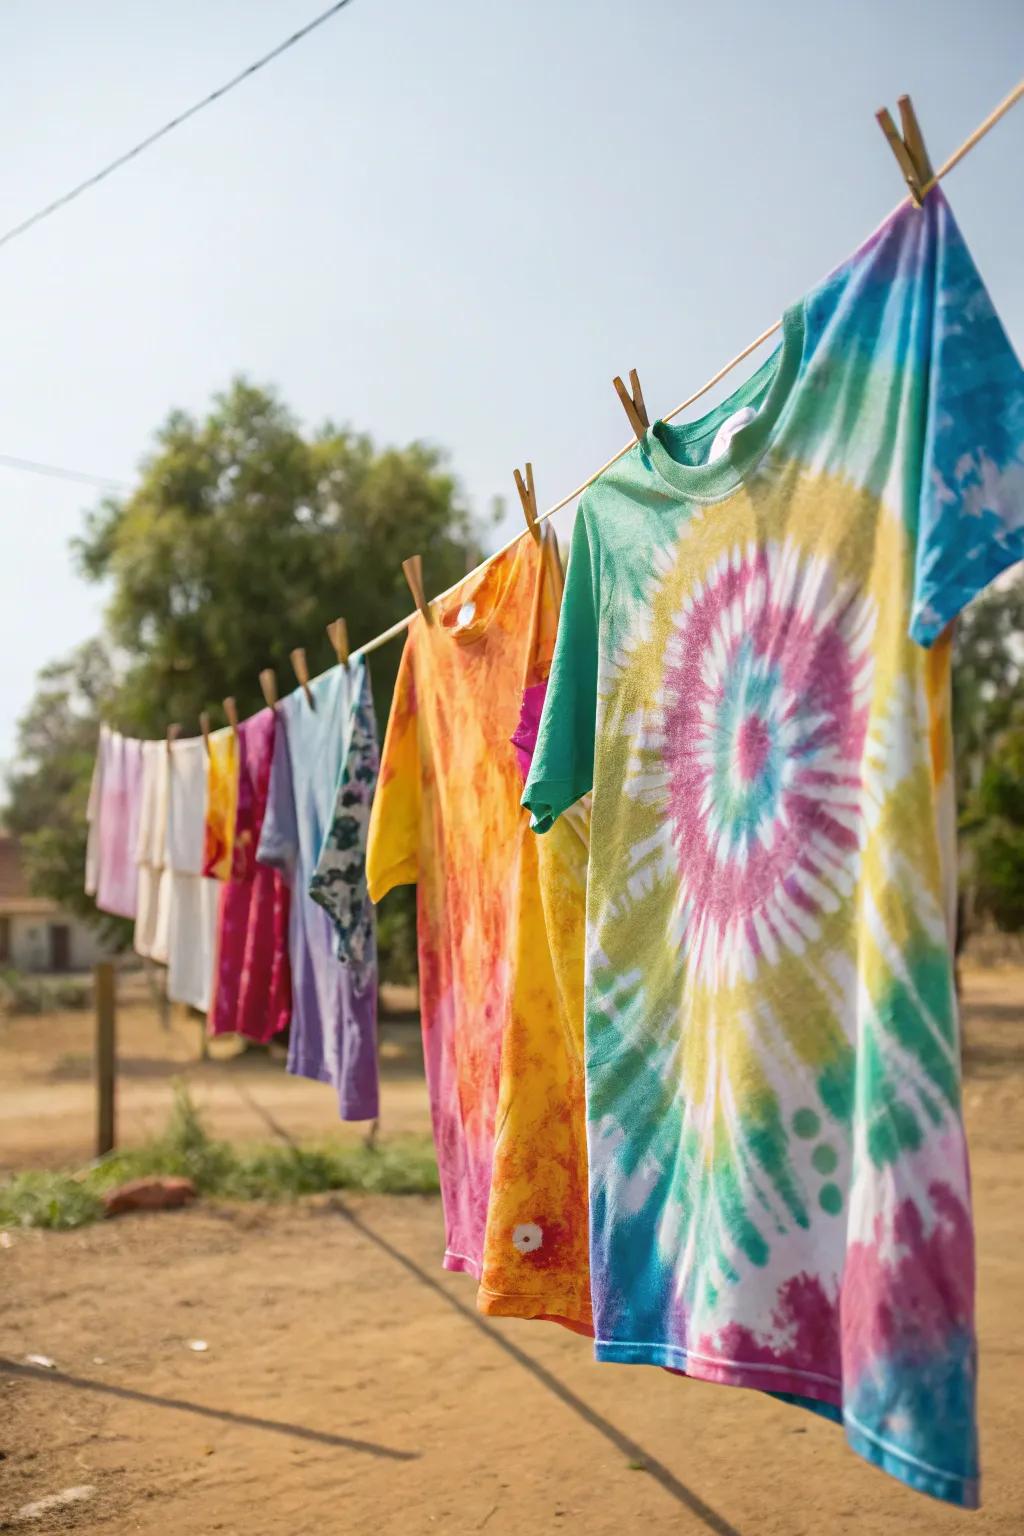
{"type": "Point", "coordinates": [710, 482]}
{"type": "Point", "coordinates": [496, 580]}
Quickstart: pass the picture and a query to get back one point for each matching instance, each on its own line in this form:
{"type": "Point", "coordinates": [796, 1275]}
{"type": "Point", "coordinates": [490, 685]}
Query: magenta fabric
{"type": "Point", "coordinates": [252, 978]}
{"type": "Point", "coordinates": [524, 737]}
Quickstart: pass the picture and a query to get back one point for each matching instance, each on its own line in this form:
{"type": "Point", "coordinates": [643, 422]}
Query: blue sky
{"type": "Point", "coordinates": [450, 221]}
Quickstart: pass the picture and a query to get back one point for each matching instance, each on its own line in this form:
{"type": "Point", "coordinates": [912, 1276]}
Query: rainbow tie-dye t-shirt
{"type": "Point", "coordinates": [752, 674]}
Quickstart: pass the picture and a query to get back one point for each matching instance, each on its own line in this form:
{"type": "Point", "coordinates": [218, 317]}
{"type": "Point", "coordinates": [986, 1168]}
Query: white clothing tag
{"type": "Point", "coordinates": [727, 431]}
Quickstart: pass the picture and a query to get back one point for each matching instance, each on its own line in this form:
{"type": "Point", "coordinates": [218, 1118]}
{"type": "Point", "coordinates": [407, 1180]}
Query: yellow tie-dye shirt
{"type": "Point", "coordinates": [221, 803]}
{"type": "Point", "coordinates": [500, 991]}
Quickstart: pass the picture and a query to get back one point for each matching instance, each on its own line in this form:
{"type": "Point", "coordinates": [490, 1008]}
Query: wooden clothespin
{"type": "Point", "coordinates": [173, 732]}
{"type": "Point", "coordinates": [302, 673]}
{"type": "Point", "coordinates": [908, 148]}
{"type": "Point", "coordinates": [204, 726]}
{"type": "Point", "coordinates": [413, 569]}
{"type": "Point", "coordinates": [528, 497]}
{"type": "Point", "coordinates": [268, 683]}
{"type": "Point", "coordinates": [337, 633]}
{"type": "Point", "coordinates": [231, 710]}
{"type": "Point", "coordinates": [633, 403]}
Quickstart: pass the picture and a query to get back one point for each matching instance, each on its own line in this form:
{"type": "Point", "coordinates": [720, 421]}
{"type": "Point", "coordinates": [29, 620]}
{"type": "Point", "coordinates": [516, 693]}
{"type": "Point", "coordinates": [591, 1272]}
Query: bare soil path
{"type": "Point", "coordinates": [47, 1098]}
{"type": "Point", "coordinates": [350, 1387]}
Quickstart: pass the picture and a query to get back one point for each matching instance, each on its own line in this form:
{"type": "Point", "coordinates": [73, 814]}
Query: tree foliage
{"type": "Point", "coordinates": [995, 833]}
{"type": "Point", "coordinates": [49, 790]}
{"type": "Point", "coordinates": [988, 677]}
{"type": "Point", "coordinates": [244, 538]}
{"type": "Point", "coordinates": [988, 716]}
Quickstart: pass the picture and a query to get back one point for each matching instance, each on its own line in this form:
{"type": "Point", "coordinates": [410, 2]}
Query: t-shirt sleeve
{"type": "Point", "coordinates": [339, 880]}
{"type": "Point", "coordinates": [971, 510]}
{"type": "Point", "coordinates": [392, 854]}
{"type": "Point", "coordinates": [279, 838]}
{"type": "Point", "coordinates": [563, 761]}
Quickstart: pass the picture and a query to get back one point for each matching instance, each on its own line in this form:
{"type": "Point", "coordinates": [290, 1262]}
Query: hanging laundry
{"type": "Point", "coordinates": [252, 986]}
{"type": "Point", "coordinates": [221, 802]}
{"type": "Point", "coordinates": [92, 817]}
{"type": "Point", "coordinates": [779, 1190]}
{"type": "Point", "coordinates": [536, 1244]}
{"type": "Point", "coordinates": [115, 804]}
{"type": "Point", "coordinates": [192, 922]}
{"type": "Point", "coordinates": [339, 880]}
{"type": "Point", "coordinates": [152, 921]}
{"type": "Point", "coordinates": [334, 1021]}
{"type": "Point", "coordinates": [447, 816]}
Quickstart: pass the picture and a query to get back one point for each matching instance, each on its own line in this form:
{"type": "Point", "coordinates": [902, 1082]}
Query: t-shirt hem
{"type": "Point", "coordinates": [348, 1108]}
{"type": "Point", "coordinates": [557, 1307]}
{"type": "Point", "coordinates": [461, 1263]}
{"type": "Point", "coordinates": [200, 1001]}
{"type": "Point", "coordinates": [216, 1027]}
{"type": "Point", "coordinates": [950, 1487]}
{"type": "Point", "coordinates": [763, 1378]}
{"type": "Point", "coordinates": [261, 1032]}
{"type": "Point", "coordinates": [358, 1109]}
{"type": "Point", "coordinates": [315, 1070]}
{"type": "Point", "coordinates": [947, 1486]}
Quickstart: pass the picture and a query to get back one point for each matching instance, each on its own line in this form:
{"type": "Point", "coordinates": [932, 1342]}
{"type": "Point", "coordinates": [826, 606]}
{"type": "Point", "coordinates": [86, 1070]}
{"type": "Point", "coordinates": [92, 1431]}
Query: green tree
{"type": "Point", "coordinates": [988, 678]}
{"type": "Point", "coordinates": [994, 828]}
{"type": "Point", "coordinates": [988, 723]}
{"type": "Point", "coordinates": [49, 790]}
{"type": "Point", "coordinates": [244, 538]}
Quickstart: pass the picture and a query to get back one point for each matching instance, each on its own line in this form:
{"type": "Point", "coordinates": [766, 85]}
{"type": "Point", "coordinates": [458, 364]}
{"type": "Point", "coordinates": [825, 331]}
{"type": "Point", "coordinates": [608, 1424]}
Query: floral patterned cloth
{"type": "Point", "coordinates": [334, 1007]}
{"type": "Point", "coordinates": [339, 880]}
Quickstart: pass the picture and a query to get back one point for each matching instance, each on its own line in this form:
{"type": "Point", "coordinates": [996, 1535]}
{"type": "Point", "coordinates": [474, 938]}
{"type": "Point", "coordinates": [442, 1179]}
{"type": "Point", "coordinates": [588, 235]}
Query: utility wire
{"type": "Point", "coordinates": [175, 122]}
{"type": "Point", "coordinates": [34, 467]}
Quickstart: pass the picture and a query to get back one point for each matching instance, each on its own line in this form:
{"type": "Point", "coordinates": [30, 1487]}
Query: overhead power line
{"type": "Point", "coordinates": [175, 122]}
{"type": "Point", "coordinates": [55, 472]}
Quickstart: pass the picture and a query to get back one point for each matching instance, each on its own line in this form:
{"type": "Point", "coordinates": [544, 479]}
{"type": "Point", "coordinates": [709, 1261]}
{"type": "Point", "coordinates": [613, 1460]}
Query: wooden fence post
{"type": "Point", "coordinates": [106, 1055]}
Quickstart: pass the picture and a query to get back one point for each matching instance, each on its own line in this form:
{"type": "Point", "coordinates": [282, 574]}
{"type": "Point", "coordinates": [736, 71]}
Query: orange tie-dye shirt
{"type": "Point", "coordinates": [501, 1042]}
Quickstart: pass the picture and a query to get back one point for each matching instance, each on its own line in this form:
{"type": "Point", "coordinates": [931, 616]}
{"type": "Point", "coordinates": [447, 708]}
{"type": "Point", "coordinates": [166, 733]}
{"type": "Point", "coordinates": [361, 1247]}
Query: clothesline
{"type": "Point", "coordinates": [402, 624]}
{"type": "Point", "coordinates": [611, 1132]}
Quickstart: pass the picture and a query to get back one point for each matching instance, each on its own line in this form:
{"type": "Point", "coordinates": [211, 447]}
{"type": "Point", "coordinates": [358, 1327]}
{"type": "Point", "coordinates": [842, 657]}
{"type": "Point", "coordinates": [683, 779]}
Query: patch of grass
{"type": "Point", "coordinates": [22, 994]}
{"type": "Point", "coordinates": [404, 1166]}
{"type": "Point", "coordinates": [55, 1200]}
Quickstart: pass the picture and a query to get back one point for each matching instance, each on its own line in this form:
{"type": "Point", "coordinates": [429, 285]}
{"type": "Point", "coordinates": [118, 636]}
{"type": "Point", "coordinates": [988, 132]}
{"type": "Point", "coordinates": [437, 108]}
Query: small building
{"type": "Point", "coordinates": [35, 934]}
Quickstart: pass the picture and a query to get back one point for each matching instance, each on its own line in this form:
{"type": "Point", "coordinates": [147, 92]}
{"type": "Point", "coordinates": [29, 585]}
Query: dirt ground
{"type": "Point", "coordinates": [48, 1101]}
{"type": "Point", "coordinates": [349, 1386]}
